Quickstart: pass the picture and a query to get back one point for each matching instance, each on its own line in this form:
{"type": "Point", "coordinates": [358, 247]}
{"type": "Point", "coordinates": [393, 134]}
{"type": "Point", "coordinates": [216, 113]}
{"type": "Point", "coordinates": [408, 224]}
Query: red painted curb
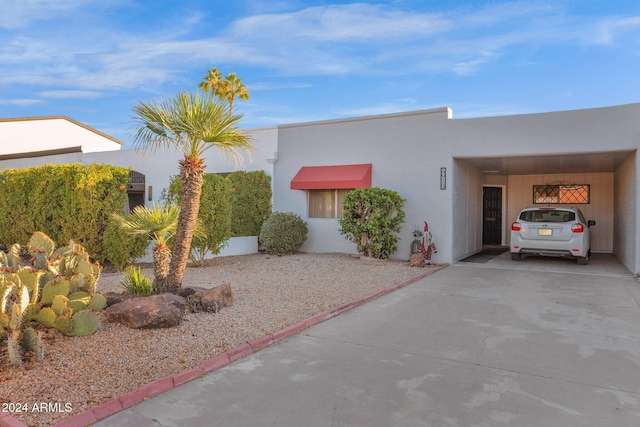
{"type": "Point", "coordinates": [289, 330]}
{"type": "Point", "coordinates": [167, 383]}
{"type": "Point", "coordinates": [109, 407]}
{"type": "Point", "coordinates": [7, 420]}
{"type": "Point", "coordinates": [79, 420]}
{"type": "Point", "coordinates": [187, 376]}
{"type": "Point", "coordinates": [146, 392]}
{"type": "Point", "coordinates": [261, 343]}
{"type": "Point", "coordinates": [239, 352]}
{"type": "Point", "coordinates": [215, 363]}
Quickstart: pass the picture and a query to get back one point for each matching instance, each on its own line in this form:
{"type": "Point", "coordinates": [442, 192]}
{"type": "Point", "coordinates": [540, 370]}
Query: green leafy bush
{"type": "Point", "coordinates": [283, 232]}
{"type": "Point", "coordinates": [370, 218]}
{"type": "Point", "coordinates": [251, 201]}
{"type": "Point", "coordinates": [66, 202]}
{"type": "Point", "coordinates": [136, 282]}
{"type": "Point", "coordinates": [121, 248]}
{"type": "Point", "coordinates": [214, 215]}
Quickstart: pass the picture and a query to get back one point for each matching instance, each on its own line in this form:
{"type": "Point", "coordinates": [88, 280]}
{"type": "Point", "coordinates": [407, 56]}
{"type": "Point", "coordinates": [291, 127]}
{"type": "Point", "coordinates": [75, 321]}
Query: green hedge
{"type": "Point", "coordinates": [251, 201]}
{"type": "Point", "coordinates": [67, 202]}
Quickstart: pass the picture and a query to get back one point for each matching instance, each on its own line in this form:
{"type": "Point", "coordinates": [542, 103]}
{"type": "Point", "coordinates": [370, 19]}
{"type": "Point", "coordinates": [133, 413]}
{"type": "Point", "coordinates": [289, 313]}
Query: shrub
{"type": "Point", "coordinates": [121, 248]}
{"type": "Point", "coordinates": [70, 201]}
{"type": "Point", "coordinates": [369, 219]}
{"type": "Point", "coordinates": [283, 232]}
{"type": "Point", "coordinates": [251, 201]}
{"type": "Point", "coordinates": [136, 283]}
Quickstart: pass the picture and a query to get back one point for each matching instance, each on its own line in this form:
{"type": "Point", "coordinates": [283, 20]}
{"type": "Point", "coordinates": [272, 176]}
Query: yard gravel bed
{"type": "Point", "coordinates": [271, 293]}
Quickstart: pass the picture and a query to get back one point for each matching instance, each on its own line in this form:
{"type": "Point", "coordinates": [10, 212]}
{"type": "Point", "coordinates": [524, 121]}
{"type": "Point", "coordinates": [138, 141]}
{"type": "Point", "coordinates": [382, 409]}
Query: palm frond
{"type": "Point", "coordinates": [158, 221]}
{"type": "Point", "coordinates": [193, 122]}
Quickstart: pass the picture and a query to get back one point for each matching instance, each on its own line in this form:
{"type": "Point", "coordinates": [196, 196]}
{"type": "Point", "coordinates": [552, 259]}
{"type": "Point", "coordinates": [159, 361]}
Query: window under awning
{"type": "Point", "coordinates": [332, 177]}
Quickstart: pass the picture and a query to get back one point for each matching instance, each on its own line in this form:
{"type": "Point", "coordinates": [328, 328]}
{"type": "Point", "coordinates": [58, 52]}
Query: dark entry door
{"type": "Point", "coordinates": [492, 216]}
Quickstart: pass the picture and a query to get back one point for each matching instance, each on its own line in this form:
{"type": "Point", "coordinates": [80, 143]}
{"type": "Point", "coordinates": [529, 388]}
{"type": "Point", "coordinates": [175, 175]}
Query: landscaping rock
{"type": "Point", "coordinates": [217, 298]}
{"type": "Point", "coordinates": [116, 297]}
{"type": "Point", "coordinates": [156, 311]}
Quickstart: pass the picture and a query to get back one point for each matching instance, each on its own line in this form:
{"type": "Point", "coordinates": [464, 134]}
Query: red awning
{"type": "Point", "coordinates": [332, 177]}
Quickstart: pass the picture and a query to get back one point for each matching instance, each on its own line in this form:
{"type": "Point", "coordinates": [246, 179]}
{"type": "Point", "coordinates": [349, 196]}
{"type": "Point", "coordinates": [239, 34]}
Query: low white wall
{"type": "Point", "coordinates": [245, 245]}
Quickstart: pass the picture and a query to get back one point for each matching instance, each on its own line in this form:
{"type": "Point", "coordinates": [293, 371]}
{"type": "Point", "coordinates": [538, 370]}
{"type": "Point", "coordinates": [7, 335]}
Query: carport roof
{"type": "Point", "coordinates": [595, 162]}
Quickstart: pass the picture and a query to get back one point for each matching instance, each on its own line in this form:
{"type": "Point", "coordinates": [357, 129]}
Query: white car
{"type": "Point", "coordinates": [547, 231]}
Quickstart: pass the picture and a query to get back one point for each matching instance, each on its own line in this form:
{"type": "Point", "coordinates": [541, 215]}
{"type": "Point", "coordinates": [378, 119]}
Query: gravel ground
{"type": "Point", "coordinates": [271, 293]}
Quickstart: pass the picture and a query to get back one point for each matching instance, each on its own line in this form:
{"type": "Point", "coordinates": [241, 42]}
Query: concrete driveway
{"type": "Point", "coordinates": [495, 344]}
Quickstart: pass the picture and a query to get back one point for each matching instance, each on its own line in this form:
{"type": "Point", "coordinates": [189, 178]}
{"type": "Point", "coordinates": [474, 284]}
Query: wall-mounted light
{"type": "Point", "coordinates": [150, 193]}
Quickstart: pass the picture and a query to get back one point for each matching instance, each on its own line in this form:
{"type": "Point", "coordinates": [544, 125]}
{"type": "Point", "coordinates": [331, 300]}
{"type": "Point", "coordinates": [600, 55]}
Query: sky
{"type": "Point", "coordinates": [94, 60]}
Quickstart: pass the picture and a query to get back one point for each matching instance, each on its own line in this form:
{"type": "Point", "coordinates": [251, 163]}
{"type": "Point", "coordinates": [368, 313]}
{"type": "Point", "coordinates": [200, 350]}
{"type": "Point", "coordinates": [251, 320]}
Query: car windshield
{"type": "Point", "coordinates": [547, 216]}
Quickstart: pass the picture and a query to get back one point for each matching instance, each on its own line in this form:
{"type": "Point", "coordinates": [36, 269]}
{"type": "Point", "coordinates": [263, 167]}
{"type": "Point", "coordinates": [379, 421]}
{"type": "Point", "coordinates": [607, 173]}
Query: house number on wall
{"type": "Point", "coordinates": [443, 178]}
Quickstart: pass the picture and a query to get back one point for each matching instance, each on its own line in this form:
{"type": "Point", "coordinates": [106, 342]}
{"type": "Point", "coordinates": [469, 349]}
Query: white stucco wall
{"type": "Point", "coordinates": [43, 134]}
{"type": "Point", "coordinates": [404, 150]}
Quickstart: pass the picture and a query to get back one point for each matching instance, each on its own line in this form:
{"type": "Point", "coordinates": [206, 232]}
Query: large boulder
{"type": "Point", "coordinates": [217, 298]}
{"type": "Point", "coordinates": [208, 300]}
{"type": "Point", "coordinates": [156, 311]}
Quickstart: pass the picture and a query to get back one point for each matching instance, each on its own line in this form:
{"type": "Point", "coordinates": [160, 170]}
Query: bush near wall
{"type": "Point", "coordinates": [67, 202]}
{"type": "Point", "coordinates": [215, 212]}
{"type": "Point", "coordinates": [283, 233]}
{"type": "Point", "coordinates": [251, 201]}
{"type": "Point", "coordinates": [371, 219]}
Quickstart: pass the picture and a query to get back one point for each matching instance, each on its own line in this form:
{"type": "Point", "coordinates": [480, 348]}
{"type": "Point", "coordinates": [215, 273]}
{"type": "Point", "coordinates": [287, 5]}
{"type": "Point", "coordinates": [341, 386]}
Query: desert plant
{"type": "Point", "coordinates": [192, 123]}
{"type": "Point", "coordinates": [159, 222]}
{"type": "Point", "coordinates": [120, 248]}
{"type": "Point", "coordinates": [55, 288]}
{"type": "Point", "coordinates": [370, 218]}
{"type": "Point", "coordinates": [283, 232]}
{"type": "Point", "coordinates": [136, 282]}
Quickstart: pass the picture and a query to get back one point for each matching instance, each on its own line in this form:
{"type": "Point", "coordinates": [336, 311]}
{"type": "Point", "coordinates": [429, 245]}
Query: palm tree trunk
{"type": "Point", "coordinates": [191, 177]}
{"type": "Point", "coordinates": [161, 266]}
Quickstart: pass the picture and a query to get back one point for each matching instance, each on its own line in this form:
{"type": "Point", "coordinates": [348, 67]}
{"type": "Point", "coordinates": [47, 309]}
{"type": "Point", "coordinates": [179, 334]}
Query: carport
{"type": "Point", "coordinates": [492, 190]}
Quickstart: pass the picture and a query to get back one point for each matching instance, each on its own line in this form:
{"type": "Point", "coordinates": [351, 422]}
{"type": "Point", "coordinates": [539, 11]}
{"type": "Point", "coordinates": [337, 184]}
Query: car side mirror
{"type": "Point", "coordinates": [590, 223]}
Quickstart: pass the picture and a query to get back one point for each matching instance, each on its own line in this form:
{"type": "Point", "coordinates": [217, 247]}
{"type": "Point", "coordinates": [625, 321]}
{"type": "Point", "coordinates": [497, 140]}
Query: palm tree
{"type": "Point", "coordinates": [234, 88]}
{"type": "Point", "coordinates": [229, 88]}
{"type": "Point", "coordinates": [212, 82]}
{"type": "Point", "coordinates": [192, 122]}
{"type": "Point", "coordinates": [159, 222]}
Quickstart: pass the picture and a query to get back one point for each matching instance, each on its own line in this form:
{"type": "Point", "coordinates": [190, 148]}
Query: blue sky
{"type": "Point", "coordinates": [315, 60]}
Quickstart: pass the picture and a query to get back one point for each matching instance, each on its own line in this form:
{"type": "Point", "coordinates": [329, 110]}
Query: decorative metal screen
{"type": "Point", "coordinates": [561, 193]}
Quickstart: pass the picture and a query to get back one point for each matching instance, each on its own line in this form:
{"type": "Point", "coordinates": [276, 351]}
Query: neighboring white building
{"type": "Point", "coordinates": [45, 136]}
{"type": "Point", "coordinates": [468, 178]}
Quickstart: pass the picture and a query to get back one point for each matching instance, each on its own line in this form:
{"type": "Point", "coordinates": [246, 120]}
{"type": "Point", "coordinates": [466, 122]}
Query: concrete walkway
{"type": "Point", "coordinates": [472, 345]}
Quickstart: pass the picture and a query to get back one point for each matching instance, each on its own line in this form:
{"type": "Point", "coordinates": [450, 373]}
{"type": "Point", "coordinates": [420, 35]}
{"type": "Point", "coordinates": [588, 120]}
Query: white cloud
{"type": "Point", "coordinates": [71, 94]}
{"type": "Point", "coordinates": [21, 13]}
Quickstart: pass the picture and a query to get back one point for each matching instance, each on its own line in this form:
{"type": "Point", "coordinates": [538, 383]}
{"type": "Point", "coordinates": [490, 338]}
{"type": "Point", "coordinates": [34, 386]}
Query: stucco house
{"type": "Point", "coordinates": [468, 178]}
{"type": "Point", "coordinates": [45, 136]}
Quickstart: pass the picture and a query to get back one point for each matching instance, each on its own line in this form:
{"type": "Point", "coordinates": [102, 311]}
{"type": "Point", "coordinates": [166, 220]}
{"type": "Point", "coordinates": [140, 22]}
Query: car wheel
{"type": "Point", "coordinates": [583, 260]}
{"type": "Point", "coordinates": [516, 256]}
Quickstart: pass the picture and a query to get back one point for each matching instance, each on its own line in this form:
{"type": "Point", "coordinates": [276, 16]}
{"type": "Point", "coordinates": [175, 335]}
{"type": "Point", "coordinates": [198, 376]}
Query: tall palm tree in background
{"type": "Point", "coordinates": [158, 222]}
{"type": "Point", "coordinates": [229, 88]}
{"type": "Point", "coordinates": [192, 122]}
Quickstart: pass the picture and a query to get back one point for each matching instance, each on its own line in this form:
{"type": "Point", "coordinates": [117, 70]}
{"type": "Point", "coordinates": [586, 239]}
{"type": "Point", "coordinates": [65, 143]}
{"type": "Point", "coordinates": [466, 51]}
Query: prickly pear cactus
{"type": "Point", "coordinates": [59, 286]}
{"type": "Point", "coordinates": [84, 323]}
{"type": "Point", "coordinates": [57, 290]}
